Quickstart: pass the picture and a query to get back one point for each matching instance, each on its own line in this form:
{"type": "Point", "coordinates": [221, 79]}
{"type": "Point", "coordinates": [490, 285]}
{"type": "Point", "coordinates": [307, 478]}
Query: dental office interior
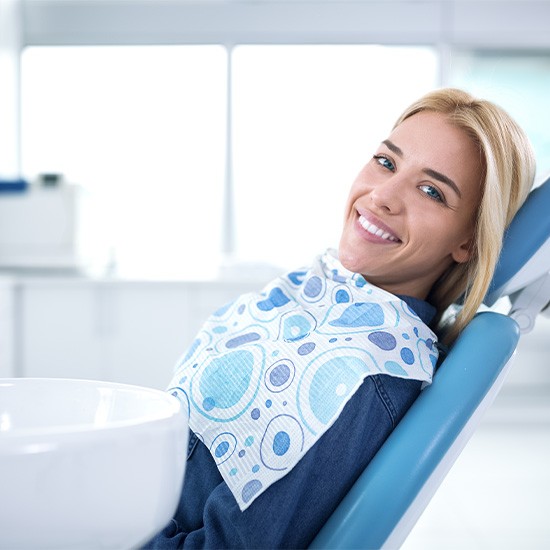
{"type": "Point", "coordinates": [159, 158]}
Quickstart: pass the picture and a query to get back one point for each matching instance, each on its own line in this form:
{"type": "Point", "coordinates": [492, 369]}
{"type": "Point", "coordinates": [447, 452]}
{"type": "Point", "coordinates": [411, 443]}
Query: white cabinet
{"type": "Point", "coordinates": [131, 332]}
{"type": "Point", "coordinates": [8, 321]}
{"type": "Point", "coordinates": [58, 331]}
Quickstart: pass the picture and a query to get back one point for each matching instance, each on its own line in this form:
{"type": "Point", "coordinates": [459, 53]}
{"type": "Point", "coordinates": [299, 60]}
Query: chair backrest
{"type": "Point", "coordinates": [391, 494]}
{"type": "Point", "coordinates": [525, 253]}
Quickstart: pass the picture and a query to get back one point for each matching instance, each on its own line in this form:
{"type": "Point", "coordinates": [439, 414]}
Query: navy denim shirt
{"type": "Point", "coordinates": [291, 511]}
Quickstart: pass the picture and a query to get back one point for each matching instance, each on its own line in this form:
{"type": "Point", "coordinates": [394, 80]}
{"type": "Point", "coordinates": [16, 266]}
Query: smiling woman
{"type": "Point", "coordinates": [329, 358]}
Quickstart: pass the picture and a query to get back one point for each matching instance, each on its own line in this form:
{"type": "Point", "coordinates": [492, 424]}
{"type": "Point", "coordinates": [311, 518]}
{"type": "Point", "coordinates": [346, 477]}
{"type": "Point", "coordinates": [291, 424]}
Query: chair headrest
{"type": "Point", "coordinates": [525, 253]}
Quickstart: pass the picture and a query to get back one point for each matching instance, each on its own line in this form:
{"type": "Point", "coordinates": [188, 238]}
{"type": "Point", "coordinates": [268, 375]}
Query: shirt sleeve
{"type": "Point", "coordinates": [292, 511]}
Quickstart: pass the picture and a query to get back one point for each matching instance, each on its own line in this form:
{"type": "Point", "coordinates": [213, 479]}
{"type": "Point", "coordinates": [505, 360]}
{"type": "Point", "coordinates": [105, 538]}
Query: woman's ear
{"type": "Point", "coordinates": [463, 252]}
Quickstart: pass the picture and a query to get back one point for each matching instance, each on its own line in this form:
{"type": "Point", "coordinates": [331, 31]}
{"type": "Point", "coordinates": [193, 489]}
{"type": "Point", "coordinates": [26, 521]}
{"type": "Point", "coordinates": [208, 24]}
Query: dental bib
{"type": "Point", "coordinates": [269, 373]}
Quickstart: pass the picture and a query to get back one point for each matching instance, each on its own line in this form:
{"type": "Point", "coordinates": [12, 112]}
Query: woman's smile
{"type": "Point", "coordinates": [374, 230]}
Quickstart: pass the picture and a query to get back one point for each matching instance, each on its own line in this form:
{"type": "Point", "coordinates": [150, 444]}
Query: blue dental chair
{"type": "Point", "coordinates": [438, 425]}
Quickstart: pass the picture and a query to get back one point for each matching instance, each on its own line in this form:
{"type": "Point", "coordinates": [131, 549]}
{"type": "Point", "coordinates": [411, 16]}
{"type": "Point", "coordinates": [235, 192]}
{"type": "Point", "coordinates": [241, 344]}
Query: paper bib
{"type": "Point", "coordinates": [269, 373]}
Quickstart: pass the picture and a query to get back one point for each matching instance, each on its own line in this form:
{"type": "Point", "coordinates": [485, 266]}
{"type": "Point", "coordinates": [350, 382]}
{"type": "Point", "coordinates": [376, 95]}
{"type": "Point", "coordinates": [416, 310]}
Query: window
{"type": "Point", "coordinates": [142, 130]}
{"type": "Point", "coordinates": [520, 83]}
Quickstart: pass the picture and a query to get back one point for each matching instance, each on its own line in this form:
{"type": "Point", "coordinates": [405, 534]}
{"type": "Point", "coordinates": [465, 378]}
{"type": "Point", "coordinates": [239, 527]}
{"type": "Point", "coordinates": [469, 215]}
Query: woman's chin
{"type": "Point", "coordinates": [349, 260]}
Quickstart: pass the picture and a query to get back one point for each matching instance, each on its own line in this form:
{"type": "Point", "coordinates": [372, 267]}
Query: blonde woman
{"type": "Point", "coordinates": [292, 391]}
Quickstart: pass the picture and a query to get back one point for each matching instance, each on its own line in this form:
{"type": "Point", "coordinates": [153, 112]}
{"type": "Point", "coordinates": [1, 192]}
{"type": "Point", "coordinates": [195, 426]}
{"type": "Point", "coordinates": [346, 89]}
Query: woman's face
{"type": "Point", "coordinates": [411, 210]}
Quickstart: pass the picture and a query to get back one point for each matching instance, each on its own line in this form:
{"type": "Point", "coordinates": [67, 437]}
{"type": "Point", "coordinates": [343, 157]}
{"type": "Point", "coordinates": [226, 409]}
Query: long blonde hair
{"type": "Point", "coordinates": [508, 165]}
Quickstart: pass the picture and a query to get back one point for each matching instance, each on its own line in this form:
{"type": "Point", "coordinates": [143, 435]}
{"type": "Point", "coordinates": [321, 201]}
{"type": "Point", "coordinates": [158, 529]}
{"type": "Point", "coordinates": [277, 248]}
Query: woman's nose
{"type": "Point", "coordinates": [389, 195]}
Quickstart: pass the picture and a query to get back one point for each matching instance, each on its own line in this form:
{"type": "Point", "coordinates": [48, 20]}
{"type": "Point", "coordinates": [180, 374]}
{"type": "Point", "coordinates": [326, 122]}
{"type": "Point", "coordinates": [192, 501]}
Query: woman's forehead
{"type": "Point", "coordinates": [431, 138]}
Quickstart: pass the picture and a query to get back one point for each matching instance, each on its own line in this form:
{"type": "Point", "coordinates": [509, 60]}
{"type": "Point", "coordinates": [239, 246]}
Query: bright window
{"type": "Point", "coordinates": [520, 83]}
{"type": "Point", "coordinates": [142, 130]}
{"type": "Point", "coordinates": [305, 121]}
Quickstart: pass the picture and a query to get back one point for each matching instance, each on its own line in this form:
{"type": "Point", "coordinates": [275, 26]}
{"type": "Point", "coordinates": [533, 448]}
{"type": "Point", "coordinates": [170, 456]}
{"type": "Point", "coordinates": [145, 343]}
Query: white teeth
{"type": "Point", "coordinates": [371, 228]}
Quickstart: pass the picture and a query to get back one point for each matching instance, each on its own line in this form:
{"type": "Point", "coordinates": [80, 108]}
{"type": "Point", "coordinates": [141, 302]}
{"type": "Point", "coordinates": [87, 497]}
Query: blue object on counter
{"type": "Point", "coordinates": [13, 186]}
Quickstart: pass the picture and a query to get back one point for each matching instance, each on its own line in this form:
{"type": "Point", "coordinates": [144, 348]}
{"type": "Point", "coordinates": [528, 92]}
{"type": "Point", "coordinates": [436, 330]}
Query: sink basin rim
{"type": "Point", "coordinates": [87, 431]}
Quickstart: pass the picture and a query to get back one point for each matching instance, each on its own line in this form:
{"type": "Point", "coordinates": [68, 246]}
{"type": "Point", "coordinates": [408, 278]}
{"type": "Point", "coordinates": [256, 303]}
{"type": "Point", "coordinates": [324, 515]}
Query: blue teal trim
{"type": "Point", "coordinates": [387, 487]}
{"type": "Point", "coordinates": [527, 233]}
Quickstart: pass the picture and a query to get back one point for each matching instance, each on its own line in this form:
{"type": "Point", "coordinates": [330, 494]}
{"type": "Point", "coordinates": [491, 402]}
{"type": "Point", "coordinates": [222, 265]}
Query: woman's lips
{"type": "Point", "coordinates": [376, 228]}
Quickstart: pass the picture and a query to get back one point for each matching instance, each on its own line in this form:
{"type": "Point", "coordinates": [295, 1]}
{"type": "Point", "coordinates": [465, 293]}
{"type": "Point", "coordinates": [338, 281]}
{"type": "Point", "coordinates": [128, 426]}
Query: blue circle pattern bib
{"type": "Point", "coordinates": [269, 373]}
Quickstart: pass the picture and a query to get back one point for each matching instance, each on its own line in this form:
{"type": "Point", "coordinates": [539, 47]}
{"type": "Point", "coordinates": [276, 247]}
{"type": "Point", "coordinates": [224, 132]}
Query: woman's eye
{"type": "Point", "coordinates": [432, 192]}
{"type": "Point", "coordinates": [385, 162]}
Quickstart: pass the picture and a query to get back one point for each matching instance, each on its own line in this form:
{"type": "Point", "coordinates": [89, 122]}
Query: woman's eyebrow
{"type": "Point", "coordinates": [393, 147]}
{"type": "Point", "coordinates": [428, 171]}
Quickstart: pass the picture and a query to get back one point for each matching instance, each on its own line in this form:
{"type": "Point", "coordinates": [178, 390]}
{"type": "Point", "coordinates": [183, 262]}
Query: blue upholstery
{"type": "Point", "coordinates": [388, 486]}
{"type": "Point", "coordinates": [420, 450]}
{"type": "Point", "coordinates": [529, 230]}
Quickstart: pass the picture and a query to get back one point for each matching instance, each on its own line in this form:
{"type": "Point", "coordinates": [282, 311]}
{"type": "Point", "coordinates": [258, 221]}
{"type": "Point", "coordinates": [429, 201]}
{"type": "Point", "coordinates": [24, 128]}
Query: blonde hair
{"type": "Point", "coordinates": [508, 165]}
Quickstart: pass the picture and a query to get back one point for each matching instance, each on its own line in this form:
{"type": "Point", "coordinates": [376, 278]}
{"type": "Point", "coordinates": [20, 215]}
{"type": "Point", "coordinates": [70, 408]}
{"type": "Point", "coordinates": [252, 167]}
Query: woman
{"type": "Point", "coordinates": [423, 226]}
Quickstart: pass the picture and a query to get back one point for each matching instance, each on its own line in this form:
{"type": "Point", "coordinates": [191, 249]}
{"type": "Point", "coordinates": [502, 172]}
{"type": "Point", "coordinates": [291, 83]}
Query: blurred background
{"type": "Point", "coordinates": [159, 157]}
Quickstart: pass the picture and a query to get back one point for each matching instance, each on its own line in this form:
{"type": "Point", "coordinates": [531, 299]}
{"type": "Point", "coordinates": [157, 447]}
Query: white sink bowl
{"type": "Point", "coordinates": [87, 464]}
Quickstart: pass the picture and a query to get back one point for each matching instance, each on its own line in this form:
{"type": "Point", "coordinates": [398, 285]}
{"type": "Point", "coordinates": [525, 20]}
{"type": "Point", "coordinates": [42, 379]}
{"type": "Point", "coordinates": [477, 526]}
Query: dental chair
{"type": "Point", "coordinates": [441, 421]}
